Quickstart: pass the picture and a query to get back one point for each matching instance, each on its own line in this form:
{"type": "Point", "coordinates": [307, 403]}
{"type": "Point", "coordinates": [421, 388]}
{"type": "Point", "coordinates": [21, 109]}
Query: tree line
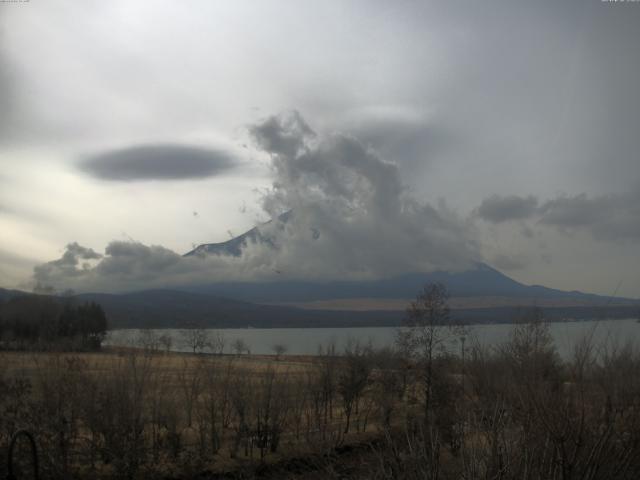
{"type": "Point", "coordinates": [44, 322]}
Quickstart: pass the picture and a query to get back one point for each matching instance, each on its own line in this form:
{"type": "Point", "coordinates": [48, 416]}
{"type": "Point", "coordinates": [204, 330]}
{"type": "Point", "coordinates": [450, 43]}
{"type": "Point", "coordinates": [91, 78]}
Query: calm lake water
{"type": "Point", "coordinates": [305, 341]}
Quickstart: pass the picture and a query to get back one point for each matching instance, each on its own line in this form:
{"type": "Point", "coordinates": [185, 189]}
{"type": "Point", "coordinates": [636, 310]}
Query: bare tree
{"type": "Point", "coordinates": [426, 332]}
{"type": "Point", "coordinates": [271, 409]}
{"type": "Point", "coordinates": [389, 382]}
{"type": "Point", "coordinates": [279, 349]}
{"type": "Point", "coordinates": [353, 377]}
{"type": "Point", "coordinates": [165, 341]}
{"type": "Point", "coordinates": [148, 340]}
{"type": "Point", "coordinates": [215, 409]}
{"type": "Point", "coordinates": [190, 379]}
{"type": "Point", "coordinates": [240, 346]}
{"type": "Point", "coordinates": [196, 339]}
{"type": "Point", "coordinates": [327, 365]}
{"type": "Point", "coordinates": [218, 342]}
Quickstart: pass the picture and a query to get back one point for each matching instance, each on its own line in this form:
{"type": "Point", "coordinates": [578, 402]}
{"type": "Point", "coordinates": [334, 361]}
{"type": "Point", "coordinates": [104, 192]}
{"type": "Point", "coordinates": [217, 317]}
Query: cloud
{"type": "Point", "coordinates": [351, 218]}
{"type": "Point", "coordinates": [128, 266]}
{"type": "Point", "coordinates": [67, 267]}
{"type": "Point", "coordinates": [405, 133]}
{"type": "Point", "coordinates": [157, 162]}
{"type": "Point", "coordinates": [366, 222]}
{"type": "Point", "coordinates": [68, 263]}
{"type": "Point", "coordinates": [284, 134]}
{"type": "Point", "coordinates": [508, 262]}
{"type": "Point", "coordinates": [74, 253]}
{"type": "Point", "coordinates": [607, 217]}
{"type": "Point", "coordinates": [498, 209]}
{"type": "Point", "coordinates": [612, 217]}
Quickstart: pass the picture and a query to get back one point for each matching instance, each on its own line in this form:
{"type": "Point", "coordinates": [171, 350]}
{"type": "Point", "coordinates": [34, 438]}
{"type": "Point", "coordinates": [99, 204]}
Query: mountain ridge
{"type": "Point", "coordinates": [178, 309]}
{"type": "Point", "coordinates": [482, 280]}
{"type": "Point", "coordinates": [338, 303]}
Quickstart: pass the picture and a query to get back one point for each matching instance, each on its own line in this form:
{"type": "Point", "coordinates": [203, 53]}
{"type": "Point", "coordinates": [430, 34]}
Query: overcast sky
{"type": "Point", "coordinates": [417, 134]}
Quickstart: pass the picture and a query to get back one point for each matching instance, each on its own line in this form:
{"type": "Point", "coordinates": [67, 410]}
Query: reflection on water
{"type": "Point", "coordinates": [305, 341]}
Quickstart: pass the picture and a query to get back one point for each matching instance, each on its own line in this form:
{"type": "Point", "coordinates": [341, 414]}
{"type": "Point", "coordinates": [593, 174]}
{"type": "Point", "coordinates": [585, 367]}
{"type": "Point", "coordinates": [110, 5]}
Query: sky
{"type": "Point", "coordinates": [402, 135]}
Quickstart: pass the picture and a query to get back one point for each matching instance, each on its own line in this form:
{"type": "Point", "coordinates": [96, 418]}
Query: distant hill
{"type": "Point", "coordinates": [176, 309]}
{"type": "Point", "coordinates": [7, 294]}
{"type": "Point", "coordinates": [171, 308]}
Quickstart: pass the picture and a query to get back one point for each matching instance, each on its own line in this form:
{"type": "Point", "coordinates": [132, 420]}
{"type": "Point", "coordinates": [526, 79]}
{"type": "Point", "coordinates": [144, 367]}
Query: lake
{"type": "Point", "coordinates": [305, 341]}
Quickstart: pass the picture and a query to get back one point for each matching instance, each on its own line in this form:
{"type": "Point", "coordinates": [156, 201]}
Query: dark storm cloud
{"type": "Point", "coordinates": [497, 209]}
{"type": "Point", "coordinates": [608, 217]}
{"type": "Point", "coordinates": [157, 162]}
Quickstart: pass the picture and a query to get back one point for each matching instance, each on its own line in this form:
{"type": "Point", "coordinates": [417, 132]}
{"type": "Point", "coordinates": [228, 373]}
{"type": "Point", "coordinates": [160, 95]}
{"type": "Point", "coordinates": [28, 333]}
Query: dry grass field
{"type": "Point", "coordinates": [127, 412]}
{"type": "Point", "coordinates": [105, 360]}
{"type": "Point", "coordinates": [513, 412]}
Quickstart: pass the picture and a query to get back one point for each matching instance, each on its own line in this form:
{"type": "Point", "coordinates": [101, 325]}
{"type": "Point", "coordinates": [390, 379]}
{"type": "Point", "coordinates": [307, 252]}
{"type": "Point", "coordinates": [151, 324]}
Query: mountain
{"type": "Point", "coordinates": [480, 294]}
{"type": "Point", "coordinates": [8, 294]}
{"type": "Point", "coordinates": [234, 246]}
{"type": "Point", "coordinates": [231, 247]}
{"type": "Point", "coordinates": [479, 281]}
